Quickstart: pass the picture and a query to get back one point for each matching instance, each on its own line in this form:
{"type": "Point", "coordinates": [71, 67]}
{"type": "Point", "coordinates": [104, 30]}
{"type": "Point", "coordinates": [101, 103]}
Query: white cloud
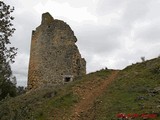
{"type": "Point", "coordinates": [111, 33]}
{"type": "Point", "coordinates": [62, 10]}
{"type": "Point", "coordinates": [20, 68]}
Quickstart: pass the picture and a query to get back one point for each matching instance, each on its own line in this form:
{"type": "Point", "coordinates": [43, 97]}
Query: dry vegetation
{"type": "Point", "coordinates": [96, 96]}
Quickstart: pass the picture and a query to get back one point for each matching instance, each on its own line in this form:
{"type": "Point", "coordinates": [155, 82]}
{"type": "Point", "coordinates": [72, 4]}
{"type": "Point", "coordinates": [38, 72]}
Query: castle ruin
{"type": "Point", "coordinates": [54, 56]}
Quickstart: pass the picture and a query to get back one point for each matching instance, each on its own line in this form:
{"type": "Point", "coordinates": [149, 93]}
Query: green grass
{"type": "Point", "coordinates": [131, 92]}
{"type": "Point", "coordinates": [65, 101]}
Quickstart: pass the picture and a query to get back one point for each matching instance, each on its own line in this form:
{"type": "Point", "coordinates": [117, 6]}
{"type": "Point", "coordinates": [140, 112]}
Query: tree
{"type": "Point", "coordinates": [7, 53]}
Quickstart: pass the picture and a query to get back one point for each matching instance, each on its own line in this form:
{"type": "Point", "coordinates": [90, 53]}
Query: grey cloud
{"type": "Point", "coordinates": [98, 44]}
{"type": "Point", "coordinates": [24, 23]}
{"type": "Point", "coordinates": [109, 40]}
{"type": "Point", "coordinates": [20, 67]}
{"type": "Point", "coordinates": [149, 33]}
{"type": "Point", "coordinates": [129, 11]}
{"type": "Point", "coordinates": [115, 45]}
{"type": "Point", "coordinates": [21, 80]}
{"type": "Point", "coordinates": [105, 7]}
{"type": "Point", "coordinates": [99, 39]}
{"type": "Point", "coordinates": [135, 10]}
{"type": "Point", "coordinates": [76, 3]}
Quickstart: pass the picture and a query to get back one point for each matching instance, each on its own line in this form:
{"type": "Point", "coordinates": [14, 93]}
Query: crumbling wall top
{"type": "Point", "coordinates": [47, 18]}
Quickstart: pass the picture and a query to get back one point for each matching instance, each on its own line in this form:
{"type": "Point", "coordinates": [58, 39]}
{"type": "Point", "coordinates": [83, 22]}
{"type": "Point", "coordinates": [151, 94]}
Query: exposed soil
{"type": "Point", "coordinates": [88, 94]}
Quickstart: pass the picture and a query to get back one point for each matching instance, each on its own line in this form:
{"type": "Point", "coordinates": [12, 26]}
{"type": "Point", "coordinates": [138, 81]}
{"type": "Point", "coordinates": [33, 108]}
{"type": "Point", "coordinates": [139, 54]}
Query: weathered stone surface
{"type": "Point", "coordinates": [53, 54]}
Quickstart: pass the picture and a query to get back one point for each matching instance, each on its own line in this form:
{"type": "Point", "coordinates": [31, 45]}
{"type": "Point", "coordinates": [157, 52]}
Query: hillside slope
{"type": "Point", "coordinates": [136, 90]}
{"type": "Point", "coordinates": [97, 96]}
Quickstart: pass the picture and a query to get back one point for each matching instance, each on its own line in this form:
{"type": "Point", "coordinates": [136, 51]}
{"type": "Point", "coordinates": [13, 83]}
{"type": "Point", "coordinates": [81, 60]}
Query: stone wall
{"type": "Point", "coordinates": [53, 54]}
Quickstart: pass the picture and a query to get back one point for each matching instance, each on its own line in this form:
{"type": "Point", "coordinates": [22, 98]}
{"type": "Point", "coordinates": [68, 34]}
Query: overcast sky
{"type": "Point", "coordinates": [110, 33]}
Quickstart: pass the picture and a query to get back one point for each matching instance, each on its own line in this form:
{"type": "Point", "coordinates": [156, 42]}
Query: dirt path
{"type": "Point", "coordinates": [89, 92]}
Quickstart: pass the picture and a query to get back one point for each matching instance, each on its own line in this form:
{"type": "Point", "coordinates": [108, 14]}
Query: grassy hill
{"type": "Point", "coordinates": [136, 90]}
{"type": "Point", "coordinates": [97, 96]}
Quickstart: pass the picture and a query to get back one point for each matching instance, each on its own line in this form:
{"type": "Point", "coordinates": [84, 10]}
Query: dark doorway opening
{"type": "Point", "coordinates": [67, 79]}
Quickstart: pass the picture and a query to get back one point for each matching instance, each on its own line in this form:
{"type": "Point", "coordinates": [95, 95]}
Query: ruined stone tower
{"type": "Point", "coordinates": [54, 57]}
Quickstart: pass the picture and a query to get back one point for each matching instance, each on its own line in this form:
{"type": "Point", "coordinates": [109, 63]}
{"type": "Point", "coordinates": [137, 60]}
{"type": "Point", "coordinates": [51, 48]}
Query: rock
{"type": "Point", "coordinates": [138, 98]}
{"type": "Point", "coordinates": [154, 91]}
{"type": "Point", "coordinates": [157, 89]}
{"type": "Point", "coordinates": [158, 106]}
